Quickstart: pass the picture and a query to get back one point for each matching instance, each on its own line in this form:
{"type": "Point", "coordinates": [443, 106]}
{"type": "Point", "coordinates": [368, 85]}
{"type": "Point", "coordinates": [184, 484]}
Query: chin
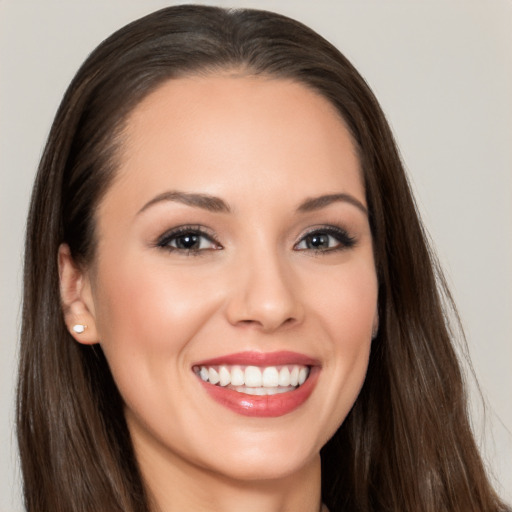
{"type": "Point", "coordinates": [260, 465]}
{"type": "Point", "coordinates": [264, 455]}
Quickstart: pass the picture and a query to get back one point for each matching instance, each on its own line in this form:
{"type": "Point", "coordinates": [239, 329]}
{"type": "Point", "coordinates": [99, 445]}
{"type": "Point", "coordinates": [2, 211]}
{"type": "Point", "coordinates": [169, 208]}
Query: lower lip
{"type": "Point", "coordinates": [266, 406]}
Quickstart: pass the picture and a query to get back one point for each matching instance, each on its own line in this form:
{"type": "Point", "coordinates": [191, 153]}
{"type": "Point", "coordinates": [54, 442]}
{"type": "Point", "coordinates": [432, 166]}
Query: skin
{"type": "Point", "coordinates": [263, 146]}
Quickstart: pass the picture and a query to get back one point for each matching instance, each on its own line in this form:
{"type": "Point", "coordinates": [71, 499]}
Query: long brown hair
{"type": "Point", "coordinates": [407, 443]}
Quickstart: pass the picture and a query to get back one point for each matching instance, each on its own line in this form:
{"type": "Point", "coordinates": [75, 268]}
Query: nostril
{"type": "Point", "coordinates": [267, 325]}
{"type": "Point", "coordinates": [249, 322]}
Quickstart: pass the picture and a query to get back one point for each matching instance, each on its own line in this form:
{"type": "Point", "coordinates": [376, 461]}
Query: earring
{"type": "Point", "coordinates": [79, 328]}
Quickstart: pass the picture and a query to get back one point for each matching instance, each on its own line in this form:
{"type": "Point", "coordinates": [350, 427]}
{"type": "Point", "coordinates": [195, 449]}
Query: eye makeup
{"type": "Point", "coordinates": [194, 239]}
{"type": "Point", "coordinates": [327, 238]}
{"type": "Point", "coordinates": [188, 239]}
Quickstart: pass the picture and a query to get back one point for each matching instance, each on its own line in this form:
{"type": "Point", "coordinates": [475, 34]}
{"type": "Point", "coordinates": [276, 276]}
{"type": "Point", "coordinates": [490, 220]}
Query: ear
{"type": "Point", "coordinates": [76, 299]}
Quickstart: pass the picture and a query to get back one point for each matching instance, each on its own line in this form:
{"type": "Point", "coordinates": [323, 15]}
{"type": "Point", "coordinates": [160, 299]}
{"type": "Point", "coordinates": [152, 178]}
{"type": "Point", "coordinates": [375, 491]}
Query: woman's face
{"type": "Point", "coordinates": [234, 244]}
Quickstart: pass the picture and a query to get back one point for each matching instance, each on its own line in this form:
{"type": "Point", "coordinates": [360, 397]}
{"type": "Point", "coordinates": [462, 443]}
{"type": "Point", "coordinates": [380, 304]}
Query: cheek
{"type": "Point", "coordinates": [346, 303]}
{"type": "Point", "coordinates": [346, 312]}
{"type": "Point", "coordinates": [356, 304]}
{"type": "Point", "coordinates": [148, 312]}
{"type": "Point", "coordinates": [148, 319]}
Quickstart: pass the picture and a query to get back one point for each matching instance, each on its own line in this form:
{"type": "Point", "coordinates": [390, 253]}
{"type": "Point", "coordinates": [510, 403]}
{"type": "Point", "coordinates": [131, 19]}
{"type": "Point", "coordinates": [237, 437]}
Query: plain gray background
{"type": "Point", "coordinates": [443, 73]}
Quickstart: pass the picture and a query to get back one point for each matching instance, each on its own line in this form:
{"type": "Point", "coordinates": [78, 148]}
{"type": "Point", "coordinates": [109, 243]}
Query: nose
{"type": "Point", "coordinates": [264, 294]}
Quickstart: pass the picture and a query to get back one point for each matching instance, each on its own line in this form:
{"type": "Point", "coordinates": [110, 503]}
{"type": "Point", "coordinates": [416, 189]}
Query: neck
{"type": "Point", "coordinates": [175, 485]}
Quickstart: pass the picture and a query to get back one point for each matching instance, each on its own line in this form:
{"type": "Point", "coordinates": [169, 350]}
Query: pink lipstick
{"type": "Point", "coordinates": [259, 384]}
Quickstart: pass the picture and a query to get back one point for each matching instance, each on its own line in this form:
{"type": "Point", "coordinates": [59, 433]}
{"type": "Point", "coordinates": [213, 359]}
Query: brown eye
{"type": "Point", "coordinates": [320, 241]}
{"type": "Point", "coordinates": [187, 240]}
{"type": "Point", "coordinates": [327, 239]}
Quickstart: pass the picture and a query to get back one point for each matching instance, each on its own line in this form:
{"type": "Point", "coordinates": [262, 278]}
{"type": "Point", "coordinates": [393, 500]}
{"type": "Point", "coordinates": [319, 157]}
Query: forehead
{"type": "Point", "coordinates": [213, 133]}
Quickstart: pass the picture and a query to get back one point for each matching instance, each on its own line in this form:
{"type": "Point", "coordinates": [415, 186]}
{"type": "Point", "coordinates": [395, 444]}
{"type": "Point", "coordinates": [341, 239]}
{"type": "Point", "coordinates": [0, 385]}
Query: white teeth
{"type": "Point", "coordinates": [213, 376]}
{"type": "Point", "coordinates": [253, 377]}
{"type": "Point", "coordinates": [294, 376]}
{"type": "Point", "coordinates": [203, 373]}
{"type": "Point", "coordinates": [270, 377]}
{"type": "Point", "coordinates": [260, 381]}
{"type": "Point", "coordinates": [303, 375]}
{"type": "Point", "coordinates": [284, 376]}
{"type": "Point", "coordinates": [224, 376]}
{"type": "Point", "coordinates": [264, 391]}
{"type": "Point", "coordinates": [237, 376]}
{"type": "Point", "coordinates": [256, 391]}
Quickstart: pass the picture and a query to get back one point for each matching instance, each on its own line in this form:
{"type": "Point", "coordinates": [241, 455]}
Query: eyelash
{"type": "Point", "coordinates": [345, 241]}
{"type": "Point", "coordinates": [341, 236]}
{"type": "Point", "coordinates": [164, 242]}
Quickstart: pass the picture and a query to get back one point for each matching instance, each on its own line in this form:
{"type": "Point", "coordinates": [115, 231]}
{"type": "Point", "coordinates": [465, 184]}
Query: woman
{"type": "Point", "coordinates": [243, 312]}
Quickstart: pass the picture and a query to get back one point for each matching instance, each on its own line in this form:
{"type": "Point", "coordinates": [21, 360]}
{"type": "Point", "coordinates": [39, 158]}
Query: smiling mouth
{"type": "Point", "coordinates": [259, 384]}
{"type": "Point", "coordinates": [255, 380]}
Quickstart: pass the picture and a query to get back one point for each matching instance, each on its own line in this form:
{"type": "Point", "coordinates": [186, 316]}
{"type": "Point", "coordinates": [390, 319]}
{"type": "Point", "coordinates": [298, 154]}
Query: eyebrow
{"type": "Point", "coordinates": [217, 205]}
{"type": "Point", "coordinates": [317, 203]}
{"type": "Point", "coordinates": [204, 201]}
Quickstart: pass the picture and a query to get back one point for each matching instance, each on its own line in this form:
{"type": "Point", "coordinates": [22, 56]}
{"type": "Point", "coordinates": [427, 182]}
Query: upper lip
{"type": "Point", "coordinates": [254, 358]}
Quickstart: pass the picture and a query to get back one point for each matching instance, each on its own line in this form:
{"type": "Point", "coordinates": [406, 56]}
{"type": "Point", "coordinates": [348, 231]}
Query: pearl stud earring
{"type": "Point", "coordinates": [79, 328]}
